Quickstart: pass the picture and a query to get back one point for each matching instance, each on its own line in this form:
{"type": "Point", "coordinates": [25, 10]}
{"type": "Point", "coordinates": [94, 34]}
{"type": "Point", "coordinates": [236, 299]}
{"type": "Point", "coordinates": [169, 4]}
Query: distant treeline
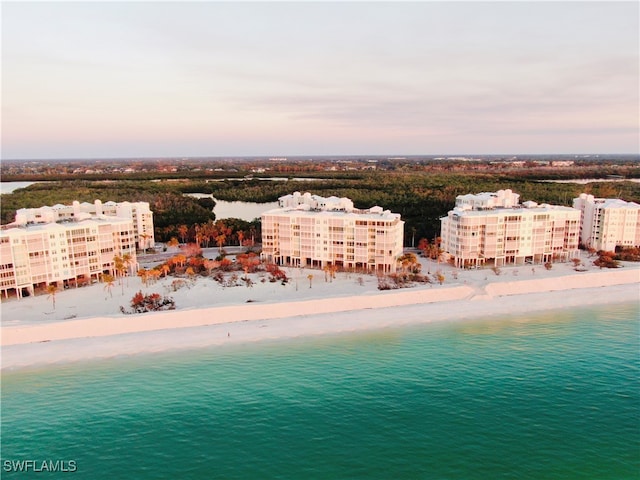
{"type": "Point", "coordinates": [421, 198]}
{"type": "Point", "coordinates": [538, 167]}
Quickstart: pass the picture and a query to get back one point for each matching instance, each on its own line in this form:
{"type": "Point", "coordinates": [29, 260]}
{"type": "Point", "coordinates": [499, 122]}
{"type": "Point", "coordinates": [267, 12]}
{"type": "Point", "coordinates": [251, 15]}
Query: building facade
{"type": "Point", "coordinates": [138, 212]}
{"type": "Point", "coordinates": [314, 231]}
{"type": "Point", "coordinates": [607, 223]}
{"type": "Point", "coordinates": [63, 253]}
{"type": "Point", "coordinates": [492, 228]}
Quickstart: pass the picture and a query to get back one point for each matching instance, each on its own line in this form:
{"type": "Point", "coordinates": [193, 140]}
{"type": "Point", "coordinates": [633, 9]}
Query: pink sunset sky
{"type": "Point", "coordinates": [123, 79]}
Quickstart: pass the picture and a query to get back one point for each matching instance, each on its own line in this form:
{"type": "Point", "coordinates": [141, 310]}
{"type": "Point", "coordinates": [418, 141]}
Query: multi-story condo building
{"type": "Point", "coordinates": [63, 253]}
{"type": "Point", "coordinates": [309, 230]}
{"type": "Point", "coordinates": [493, 228]}
{"type": "Point", "coordinates": [138, 212]}
{"type": "Point", "coordinates": [607, 223]}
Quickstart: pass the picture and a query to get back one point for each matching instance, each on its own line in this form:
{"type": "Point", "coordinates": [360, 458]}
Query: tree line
{"type": "Point", "coordinates": [421, 198]}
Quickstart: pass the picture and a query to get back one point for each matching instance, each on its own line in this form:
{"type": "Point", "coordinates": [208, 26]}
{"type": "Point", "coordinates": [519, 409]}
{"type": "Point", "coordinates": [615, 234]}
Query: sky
{"type": "Point", "coordinates": [165, 79]}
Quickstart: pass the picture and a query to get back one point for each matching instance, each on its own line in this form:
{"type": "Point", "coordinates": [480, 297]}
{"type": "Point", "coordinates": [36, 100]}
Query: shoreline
{"type": "Point", "coordinates": [108, 337]}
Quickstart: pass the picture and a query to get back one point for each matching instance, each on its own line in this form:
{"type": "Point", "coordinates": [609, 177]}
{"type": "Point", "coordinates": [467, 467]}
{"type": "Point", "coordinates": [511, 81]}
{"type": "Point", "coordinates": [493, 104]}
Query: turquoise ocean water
{"type": "Point", "coordinates": [546, 396]}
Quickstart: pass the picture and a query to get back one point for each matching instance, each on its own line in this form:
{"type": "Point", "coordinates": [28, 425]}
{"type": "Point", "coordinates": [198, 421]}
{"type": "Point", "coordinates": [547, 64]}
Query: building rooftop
{"type": "Point", "coordinates": [14, 228]}
{"type": "Point", "coordinates": [314, 205]}
{"type": "Point", "coordinates": [615, 203]}
{"type": "Point", "coordinates": [527, 207]}
{"type": "Point", "coordinates": [372, 213]}
{"type": "Point", "coordinates": [606, 202]}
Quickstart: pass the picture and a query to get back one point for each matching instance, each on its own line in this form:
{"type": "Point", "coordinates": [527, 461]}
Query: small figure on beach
{"type": "Point", "coordinates": [228, 334]}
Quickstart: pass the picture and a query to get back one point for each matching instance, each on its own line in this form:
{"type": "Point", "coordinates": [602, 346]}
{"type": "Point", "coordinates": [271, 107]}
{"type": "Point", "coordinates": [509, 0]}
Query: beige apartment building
{"type": "Point", "coordinates": [608, 222]}
{"type": "Point", "coordinates": [63, 253]}
{"type": "Point", "coordinates": [314, 231]}
{"type": "Point", "coordinates": [494, 229]}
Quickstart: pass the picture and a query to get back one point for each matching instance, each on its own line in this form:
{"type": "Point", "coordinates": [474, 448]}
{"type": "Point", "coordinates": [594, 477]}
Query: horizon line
{"type": "Point", "coordinates": [396, 156]}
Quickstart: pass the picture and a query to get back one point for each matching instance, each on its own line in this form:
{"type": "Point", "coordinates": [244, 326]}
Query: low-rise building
{"type": "Point", "coordinates": [607, 223]}
{"type": "Point", "coordinates": [310, 230]}
{"type": "Point", "coordinates": [492, 228]}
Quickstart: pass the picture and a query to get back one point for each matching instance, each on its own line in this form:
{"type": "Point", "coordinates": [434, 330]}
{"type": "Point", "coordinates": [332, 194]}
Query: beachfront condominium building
{"type": "Point", "coordinates": [65, 253]}
{"type": "Point", "coordinates": [607, 223]}
{"type": "Point", "coordinates": [493, 228]}
{"type": "Point", "coordinates": [310, 230]}
{"type": "Point", "coordinates": [138, 212]}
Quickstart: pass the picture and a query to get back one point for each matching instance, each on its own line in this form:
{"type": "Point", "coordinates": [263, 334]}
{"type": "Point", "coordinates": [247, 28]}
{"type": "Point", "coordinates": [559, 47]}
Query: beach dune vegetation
{"type": "Point", "coordinates": [151, 302]}
{"type": "Point", "coordinates": [628, 254]}
{"type": "Point", "coordinates": [397, 280]}
{"type": "Point", "coordinates": [606, 260]}
{"type": "Point", "coordinates": [409, 263]}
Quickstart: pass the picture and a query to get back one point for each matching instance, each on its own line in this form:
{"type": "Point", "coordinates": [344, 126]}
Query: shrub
{"type": "Point", "coordinates": [401, 280]}
{"type": "Point", "coordinates": [606, 260]}
{"type": "Point", "coordinates": [384, 284]}
{"type": "Point", "coordinates": [232, 281]}
{"type": "Point", "coordinates": [178, 284]}
{"type": "Point", "coordinates": [152, 302]}
{"type": "Point", "coordinates": [628, 254]}
{"type": "Point", "coordinates": [276, 273]}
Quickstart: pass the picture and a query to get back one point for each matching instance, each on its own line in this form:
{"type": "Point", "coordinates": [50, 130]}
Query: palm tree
{"type": "Point", "coordinates": [108, 283]}
{"type": "Point", "coordinates": [173, 242]}
{"type": "Point", "coordinates": [332, 272]}
{"type": "Point", "coordinates": [120, 268]}
{"type": "Point", "coordinates": [220, 239]}
{"type": "Point", "coordinates": [190, 272]}
{"type": "Point", "coordinates": [200, 235]}
{"type": "Point", "coordinates": [437, 242]}
{"type": "Point", "coordinates": [117, 264]}
{"type": "Point", "coordinates": [210, 231]}
{"type": "Point", "coordinates": [165, 269]}
{"type": "Point", "coordinates": [409, 263]}
{"type": "Point", "coordinates": [144, 242]}
{"type": "Point", "coordinates": [52, 289]}
{"type": "Point", "coordinates": [182, 231]}
{"type": "Point", "coordinates": [155, 273]}
{"type": "Point", "coordinates": [127, 260]}
{"type": "Point", "coordinates": [180, 259]}
{"type": "Point", "coordinates": [144, 275]}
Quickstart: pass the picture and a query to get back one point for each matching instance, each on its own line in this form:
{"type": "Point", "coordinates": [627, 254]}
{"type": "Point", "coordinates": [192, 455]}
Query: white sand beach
{"type": "Point", "coordinates": [87, 322]}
